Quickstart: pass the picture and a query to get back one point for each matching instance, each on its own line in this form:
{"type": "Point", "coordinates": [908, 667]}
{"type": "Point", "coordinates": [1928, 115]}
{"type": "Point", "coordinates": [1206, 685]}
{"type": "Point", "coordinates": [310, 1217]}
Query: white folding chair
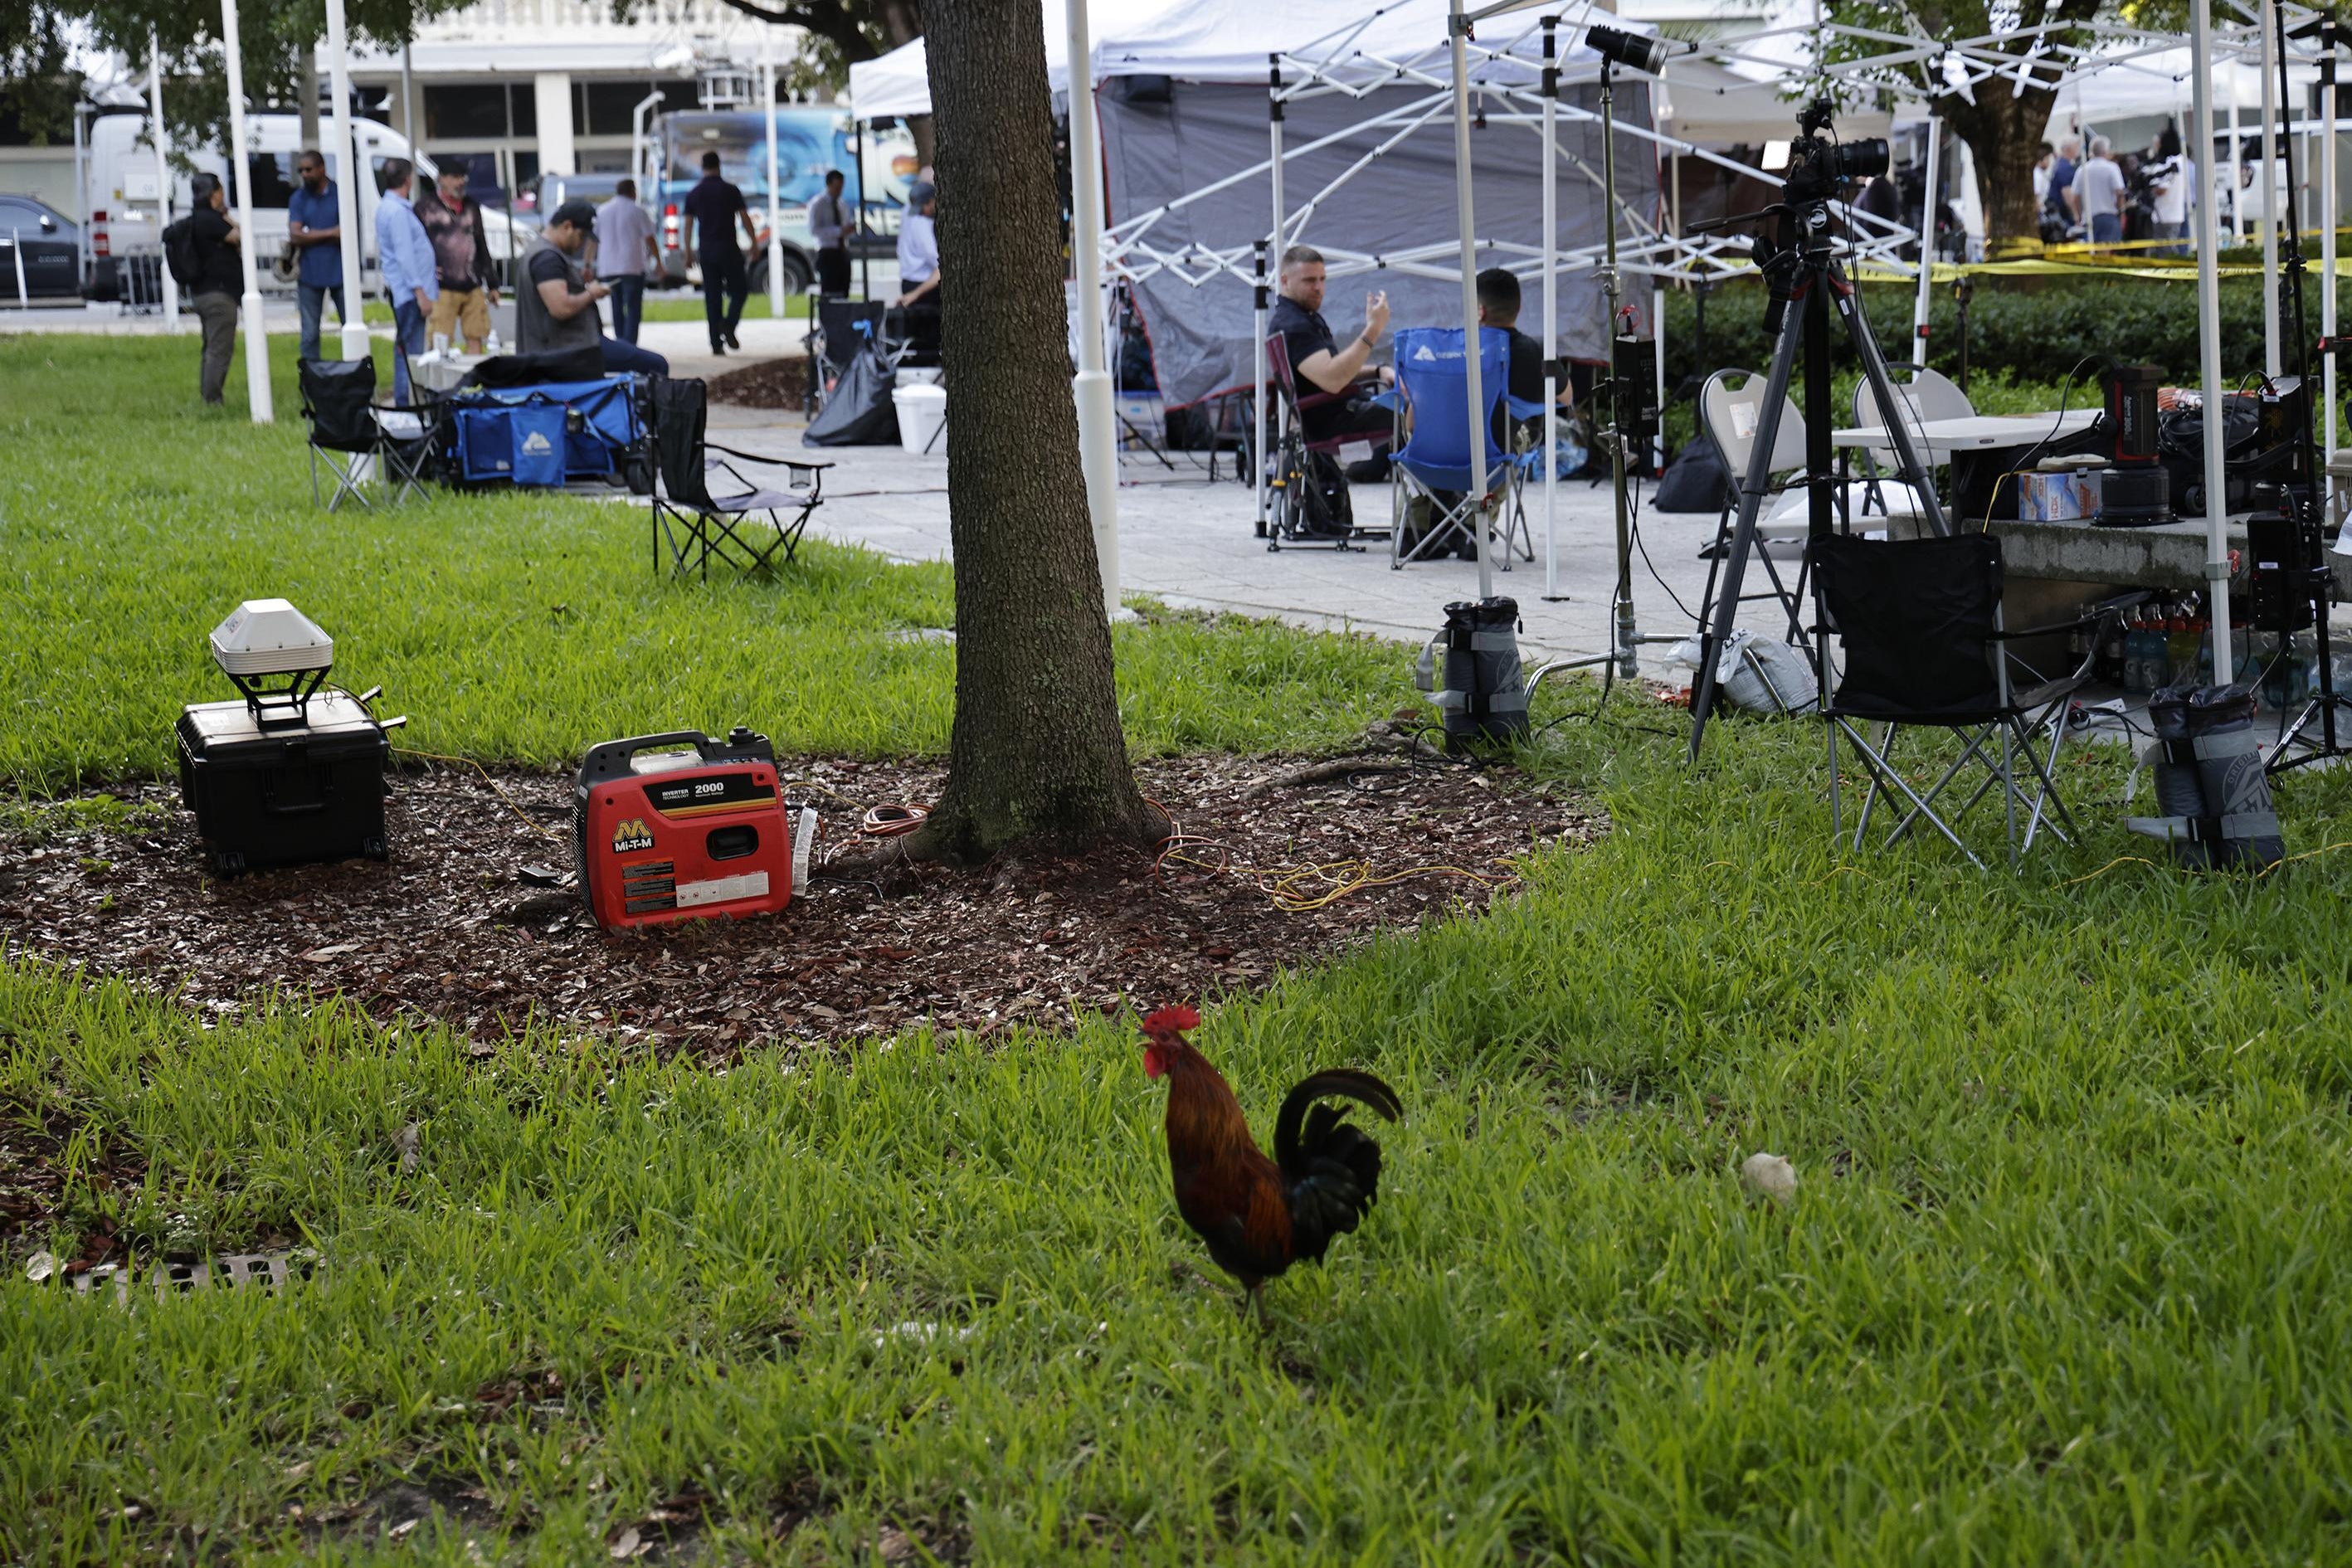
{"type": "Point", "coordinates": [1926, 395]}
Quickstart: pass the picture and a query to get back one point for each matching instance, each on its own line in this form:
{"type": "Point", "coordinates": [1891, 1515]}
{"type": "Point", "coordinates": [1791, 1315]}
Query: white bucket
{"type": "Point", "coordinates": [922, 409]}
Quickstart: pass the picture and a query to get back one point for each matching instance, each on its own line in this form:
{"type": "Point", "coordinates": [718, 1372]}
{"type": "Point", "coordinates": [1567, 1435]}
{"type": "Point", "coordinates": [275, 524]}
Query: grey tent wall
{"type": "Point", "coordinates": [1161, 149]}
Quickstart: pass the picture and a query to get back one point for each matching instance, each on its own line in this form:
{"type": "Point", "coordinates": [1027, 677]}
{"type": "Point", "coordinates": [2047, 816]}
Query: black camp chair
{"type": "Point", "coordinates": [695, 525]}
{"type": "Point", "coordinates": [349, 429]}
{"type": "Point", "coordinates": [843, 327]}
{"type": "Point", "coordinates": [1918, 624]}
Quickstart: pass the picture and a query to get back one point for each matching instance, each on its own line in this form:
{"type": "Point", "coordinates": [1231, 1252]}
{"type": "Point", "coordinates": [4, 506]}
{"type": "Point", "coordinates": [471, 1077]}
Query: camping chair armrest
{"type": "Point", "coordinates": [819, 463]}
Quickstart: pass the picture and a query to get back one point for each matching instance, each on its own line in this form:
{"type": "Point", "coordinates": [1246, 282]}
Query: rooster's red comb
{"type": "Point", "coordinates": [1171, 1020]}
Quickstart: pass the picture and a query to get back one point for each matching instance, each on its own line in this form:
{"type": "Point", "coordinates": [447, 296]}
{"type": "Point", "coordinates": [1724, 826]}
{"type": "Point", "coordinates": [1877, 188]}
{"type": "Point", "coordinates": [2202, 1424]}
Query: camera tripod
{"type": "Point", "coordinates": [2304, 500]}
{"type": "Point", "coordinates": [1805, 283]}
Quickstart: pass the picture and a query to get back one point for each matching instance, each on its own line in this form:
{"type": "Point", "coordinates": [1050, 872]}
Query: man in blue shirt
{"type": "Point", "coordinates": [315, 225]}
{"type": "Point", "coordinates": [410, 276]}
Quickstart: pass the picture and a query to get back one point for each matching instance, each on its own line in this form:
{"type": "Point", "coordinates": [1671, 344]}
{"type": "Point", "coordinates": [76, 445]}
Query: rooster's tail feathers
{"type": "Point", "coordinates": [1290, 1147]}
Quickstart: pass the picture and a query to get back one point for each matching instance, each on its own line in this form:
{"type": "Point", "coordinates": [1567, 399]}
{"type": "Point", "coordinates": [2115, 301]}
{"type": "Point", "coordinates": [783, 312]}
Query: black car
{"type": "Point", "coordinates": [44, 242]}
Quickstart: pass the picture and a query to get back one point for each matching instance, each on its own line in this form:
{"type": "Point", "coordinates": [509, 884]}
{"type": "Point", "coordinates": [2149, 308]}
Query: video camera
{"type": "Point", "coordinates": [1821, 167]}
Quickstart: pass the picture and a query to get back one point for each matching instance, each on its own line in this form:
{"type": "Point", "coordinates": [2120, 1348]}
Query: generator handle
{"type": "Point", "coordinates": [612, 757]}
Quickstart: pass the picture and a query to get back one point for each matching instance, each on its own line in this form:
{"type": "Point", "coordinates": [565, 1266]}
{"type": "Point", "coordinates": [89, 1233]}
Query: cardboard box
{"type": "Point", "coordinates": [2067, 495]}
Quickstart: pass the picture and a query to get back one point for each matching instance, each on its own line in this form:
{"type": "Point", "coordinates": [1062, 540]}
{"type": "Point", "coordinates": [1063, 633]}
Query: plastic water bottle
{"type": "Point", "coordinates": [490, 346]}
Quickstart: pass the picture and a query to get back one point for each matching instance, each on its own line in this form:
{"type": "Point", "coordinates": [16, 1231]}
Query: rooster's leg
{"type": "Point", "coordinates": [1258, 1298]}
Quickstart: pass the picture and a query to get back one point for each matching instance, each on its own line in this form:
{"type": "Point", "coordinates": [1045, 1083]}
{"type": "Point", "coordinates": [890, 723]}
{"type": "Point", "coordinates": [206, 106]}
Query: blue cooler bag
{"type": "Point", "coordinates": [520, 442]}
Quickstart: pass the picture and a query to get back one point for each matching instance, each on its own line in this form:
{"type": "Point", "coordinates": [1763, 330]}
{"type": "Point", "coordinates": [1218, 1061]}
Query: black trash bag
{"type": "Point", "coordinates": [859, 412]}
{"type": "Point", "coordinates": [1484, 700]}
{"type": "Point", "coordinates": [1696, 481]}
{"type": "Point", "coordinates": [2209, 782]}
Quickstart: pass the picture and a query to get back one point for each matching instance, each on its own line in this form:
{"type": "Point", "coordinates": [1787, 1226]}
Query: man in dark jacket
{"type": "Point", "coordinates": [220, 279]}
{"type": "Point", "coordinates": [712, 209]}
{"type": "Point", "coordinates": [461, 256]}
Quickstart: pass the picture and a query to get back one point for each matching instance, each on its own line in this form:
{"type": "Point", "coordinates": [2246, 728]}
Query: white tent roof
{"type": "Point", "coordinates": [900, 82]}
{"type": "Point", "coordinates": [2158, 83]}
{"type": "Point", "coordinates": [1229, 40]}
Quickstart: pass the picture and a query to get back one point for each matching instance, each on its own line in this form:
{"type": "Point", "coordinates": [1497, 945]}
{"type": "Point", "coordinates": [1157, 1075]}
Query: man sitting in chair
{"type": "Point", "coordinates": [1498, 306]}
{"type": "Point", "coordinates": [1322, 366]}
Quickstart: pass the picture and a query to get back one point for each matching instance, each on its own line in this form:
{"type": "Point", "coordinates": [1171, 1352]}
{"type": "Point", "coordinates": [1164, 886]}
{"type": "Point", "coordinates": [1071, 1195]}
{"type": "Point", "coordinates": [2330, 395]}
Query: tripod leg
{"type": "Point", "coordinates": [1726, 606]}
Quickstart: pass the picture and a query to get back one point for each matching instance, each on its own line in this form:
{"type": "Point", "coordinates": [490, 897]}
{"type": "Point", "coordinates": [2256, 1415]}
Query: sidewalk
{"type": "Point", "coordinates": [1189, 543]}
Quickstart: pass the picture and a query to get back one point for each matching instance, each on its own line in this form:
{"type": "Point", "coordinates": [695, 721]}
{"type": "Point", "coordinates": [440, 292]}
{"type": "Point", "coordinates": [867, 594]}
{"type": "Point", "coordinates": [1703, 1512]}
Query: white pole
{"type": "Point", "coordinates": [2327, 237]}
{"type": "Point", "coordinates": [347, 195]}
{"type": "Point", "coordinates": [1465, 216]}
{"type": "Point", "coordinates": [2209, 350]}
{"type": "Point", "coordinates": [2273, 364]}
{"type": "Point", "coordinates": [256, 334]}
{"type": "Point", "coordinates": [163, 181]}
{"type": "Point", "coordinates": [1281, 242]}
{"type": "Point", "coordinates": [1097, 424]}
{"type": "Point", "coordinates": [775, 238]}
{"type": "Point", "coordinates": [1927, 246]}
{"type": "Point", "coordinates": [17, 250]}
{"type": "Point", "coordinates": [1658, 363]}
{"type": "Point", "coordinates": [1254, 448]}
{"type": "Point", "coordinates": [1551, 311]}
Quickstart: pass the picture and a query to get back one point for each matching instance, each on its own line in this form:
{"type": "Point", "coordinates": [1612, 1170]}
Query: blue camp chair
{"type": "Point", "coordinates": [1436, 463]}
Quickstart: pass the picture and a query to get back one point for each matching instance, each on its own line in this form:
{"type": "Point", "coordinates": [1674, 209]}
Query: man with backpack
{"type": "Point", "coordinates": [202, 251]}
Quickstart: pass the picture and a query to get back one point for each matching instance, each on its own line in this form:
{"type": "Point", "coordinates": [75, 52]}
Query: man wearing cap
{"type": "Point", "coordinates": [556, 309]}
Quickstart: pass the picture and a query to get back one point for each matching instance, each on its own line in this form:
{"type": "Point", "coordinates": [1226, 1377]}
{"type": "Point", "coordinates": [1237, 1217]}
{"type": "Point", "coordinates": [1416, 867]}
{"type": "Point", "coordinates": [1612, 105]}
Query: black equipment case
{"type": "Point", "coordinates": [302, 789]}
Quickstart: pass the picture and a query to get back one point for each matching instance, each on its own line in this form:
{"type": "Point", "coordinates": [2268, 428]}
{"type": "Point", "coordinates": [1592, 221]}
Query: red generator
{"type": "Point", "coordinates": [666, 833]}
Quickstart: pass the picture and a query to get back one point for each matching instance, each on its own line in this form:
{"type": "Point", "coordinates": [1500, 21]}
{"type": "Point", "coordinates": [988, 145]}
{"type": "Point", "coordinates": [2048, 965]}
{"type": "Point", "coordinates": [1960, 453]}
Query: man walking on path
{"type": "Point", "coordinates": [405, 254]}
{"type": "Point", "coordinates": [725, 281]}
{"type": "Point", "coordinates": [220, 279]}
{"type": "Point", "coordinates": [625, 246]}
{"type": "Point", "coordinates": [314, 226]}
{"type": "Point", "coordinates": [461, 258]}
{"type": "Point", "coordinates": [828, 221]}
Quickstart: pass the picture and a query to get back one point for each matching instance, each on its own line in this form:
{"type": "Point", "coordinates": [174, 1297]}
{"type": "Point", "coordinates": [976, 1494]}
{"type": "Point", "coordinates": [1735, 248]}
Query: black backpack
{"type": "Point", "coordinates": [179, 253]}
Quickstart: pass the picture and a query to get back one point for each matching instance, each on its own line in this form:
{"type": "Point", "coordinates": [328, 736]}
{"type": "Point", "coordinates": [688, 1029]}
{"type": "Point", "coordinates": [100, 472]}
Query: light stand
{"type": "Point", "coordinates": [1644, 53]}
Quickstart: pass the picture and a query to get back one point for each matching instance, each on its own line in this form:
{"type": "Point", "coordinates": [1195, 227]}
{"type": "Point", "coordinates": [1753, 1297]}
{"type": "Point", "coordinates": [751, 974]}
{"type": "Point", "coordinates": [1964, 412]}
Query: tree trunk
{"type": "Point", "coordinates": [1037, 753]}
{"type": "Point", "coordinates": [306, 92]}
{"type": "Point", "coordinates": [2004, 136]}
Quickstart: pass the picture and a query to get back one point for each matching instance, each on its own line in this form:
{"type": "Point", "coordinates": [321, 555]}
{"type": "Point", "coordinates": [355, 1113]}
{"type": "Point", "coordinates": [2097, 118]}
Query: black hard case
{"type": "Point", "coordinates": [287, 795]}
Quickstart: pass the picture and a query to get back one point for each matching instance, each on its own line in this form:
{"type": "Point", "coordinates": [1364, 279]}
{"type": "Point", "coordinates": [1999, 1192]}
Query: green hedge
{"type": "Point", "coordinates": [2033, 330]}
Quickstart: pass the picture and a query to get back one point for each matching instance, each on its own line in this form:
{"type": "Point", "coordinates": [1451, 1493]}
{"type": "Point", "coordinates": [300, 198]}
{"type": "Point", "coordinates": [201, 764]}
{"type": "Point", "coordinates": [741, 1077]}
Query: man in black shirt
{"type": "Point", "coordinates": [725, 280]}
{"type": "Point", "coordinates": [220, 279]}
{"type": "Point", "coordinates": [557, 309]}
{"type": "Point", "coordinates": [1498, 306]}
{"type": "Point", "coordinates": [1320, 364]}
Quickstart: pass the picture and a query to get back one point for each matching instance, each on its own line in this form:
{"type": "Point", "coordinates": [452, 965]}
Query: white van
{"type": "Point", "coordinates": [123, 177]}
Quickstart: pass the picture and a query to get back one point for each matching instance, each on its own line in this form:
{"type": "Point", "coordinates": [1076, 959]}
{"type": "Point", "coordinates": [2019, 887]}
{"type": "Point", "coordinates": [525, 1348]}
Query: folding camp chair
{"type": "Point", "coordinates": [695, 525]}
{"type": "Point", "coordinates": [1297, 507]}
{"type": "Point", "coordinates": [1919, 630]}
{"type": "Point", "coordinates": [349, 432]}
{"type": "Point", "coordinates": [1433, 377]}
{"type": "Point", "coordinates": [1926, 395]}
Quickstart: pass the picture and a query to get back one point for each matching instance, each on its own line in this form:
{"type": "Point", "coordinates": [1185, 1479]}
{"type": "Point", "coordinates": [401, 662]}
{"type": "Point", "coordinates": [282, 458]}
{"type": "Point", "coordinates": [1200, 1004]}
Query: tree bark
{"type": "Point", "coordinates": [1038, 753]}
{"type": "Point", "coordinates": [2004, 136]}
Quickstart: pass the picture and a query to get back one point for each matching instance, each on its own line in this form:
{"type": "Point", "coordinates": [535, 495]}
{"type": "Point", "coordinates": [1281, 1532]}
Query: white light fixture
{"type": "Point", "coordinates": [264, 640]}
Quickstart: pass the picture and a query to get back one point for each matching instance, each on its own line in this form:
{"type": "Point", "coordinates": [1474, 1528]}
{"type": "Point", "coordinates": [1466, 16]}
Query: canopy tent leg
{"type": "Point", "coordinates": [1551, 307]}
{"type": "Point", "coordinates": [2237, 166]}
{"type": "Point", "coordinates": [2327, 245]}
{"type": "Point", "coordinates": [1281, 244]}
{"type": "Point", "coordinates": [775, 219]}
{"type": "Point", "coordinates": [1466, 215]}
{"type": "Point", "coordinates": [1255, 445]}
{"type": "Point", "coordinates": [347, 187]}
{"type": "Point", "coordinates": [2208, 343]}
{"type": "Point", "coordinates": [1098, 445]}
{"type": "Point", "coordinates": [2273, 364]}
{"type": "Point", "coordinates": [163, 178]}
{"type": "Point", "coordinates": [257, 333]}
{"type": "Point", "coordinates": [1926, 245]}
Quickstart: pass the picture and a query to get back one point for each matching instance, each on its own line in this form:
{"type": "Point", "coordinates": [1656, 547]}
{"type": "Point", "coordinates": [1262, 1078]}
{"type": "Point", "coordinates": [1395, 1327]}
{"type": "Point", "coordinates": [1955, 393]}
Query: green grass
{"type": "Point", "coordinates": [2066, 1279]}
{"type": "Point", "coordinates": [512, 627]}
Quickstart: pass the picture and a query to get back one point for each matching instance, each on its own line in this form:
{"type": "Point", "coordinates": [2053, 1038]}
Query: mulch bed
{"type": "Point", "coordinates": [450, 931]}
{"type": "Point", "coordinates": [769, 383]}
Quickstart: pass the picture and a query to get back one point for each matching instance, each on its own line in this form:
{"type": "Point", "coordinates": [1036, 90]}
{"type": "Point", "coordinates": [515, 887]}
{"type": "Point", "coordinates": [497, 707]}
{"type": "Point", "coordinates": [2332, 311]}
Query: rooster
{"type": "Point", "coordinates": [1260, 1215]}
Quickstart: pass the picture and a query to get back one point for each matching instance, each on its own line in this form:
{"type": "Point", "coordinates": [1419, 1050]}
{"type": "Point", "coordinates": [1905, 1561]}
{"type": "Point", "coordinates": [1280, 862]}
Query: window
{"type": "Point", "coordinates": [272, 175]}
{"type": "Point", "coordinates": [611, 105]}
{"type": "Point", "coordinates": [469, 112]}
{"type": "Point", "coordinates": [522, 110]}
